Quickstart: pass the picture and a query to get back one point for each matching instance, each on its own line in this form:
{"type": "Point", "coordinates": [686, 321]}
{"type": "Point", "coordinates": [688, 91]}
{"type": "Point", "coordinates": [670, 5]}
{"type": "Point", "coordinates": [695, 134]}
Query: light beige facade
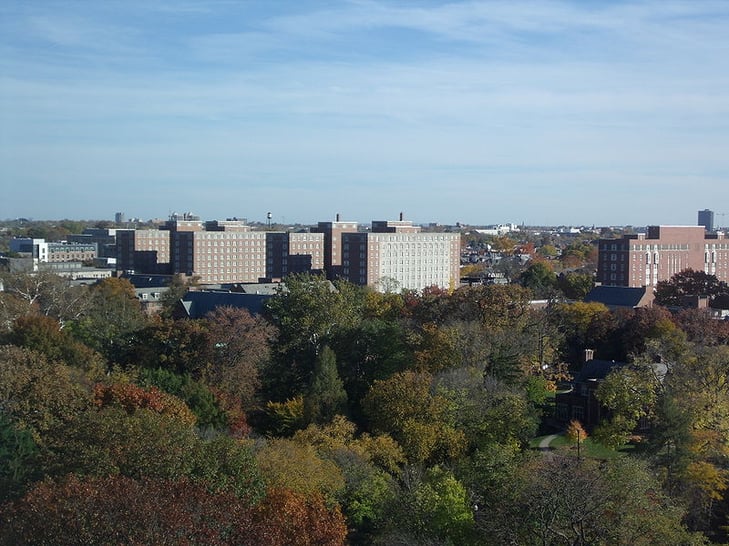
{"type": "Point", "coordinates": [399, 256]}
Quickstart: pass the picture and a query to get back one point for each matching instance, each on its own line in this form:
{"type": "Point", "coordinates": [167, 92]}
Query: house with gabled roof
{"type": "Point", "coordinates": [615, 297]}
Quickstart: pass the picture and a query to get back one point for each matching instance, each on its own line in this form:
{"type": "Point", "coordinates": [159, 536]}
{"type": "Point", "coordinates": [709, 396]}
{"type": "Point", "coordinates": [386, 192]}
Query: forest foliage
{"type": "Point", "coordinates": [344, 415]}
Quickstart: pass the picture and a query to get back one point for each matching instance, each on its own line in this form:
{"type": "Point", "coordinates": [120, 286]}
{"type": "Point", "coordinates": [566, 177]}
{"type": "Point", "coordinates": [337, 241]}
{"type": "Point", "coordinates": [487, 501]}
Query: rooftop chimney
{"type": "Point", "coordinates": [401, 216]}
{"type": "Point", "coordinates": [337, 217]}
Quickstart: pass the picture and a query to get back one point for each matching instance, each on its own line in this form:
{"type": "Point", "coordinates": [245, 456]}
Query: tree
{"type": "Point", "coordinates": [144, 444]}
{"type": "Point", "coordinates": [18, 459]}
{"type": "Point", "coordinates": [584, 326]}
{"type": "Point", "coordinates": [113, 311]}
{"type": "Point", "coordinates": [421, 422]}
{"type": "Point", "coordinates": [287, 518]}
{"type": "Point", "coordinates": [11, 308]}
{"type": "Point", "coordinates": [198, 397]}
{"type": "Point", "coordinates": [121, 510]}
{"type": "Point", "coordinates": [486, 410]}
{"type": "Point", "coordinates": [368, 464]}
{"type": "Point", "coordinates": [38, 395]}
{"type": "Point", "coordinates": [574, 285]}
{"type": "Point", "coordinates": [630, 393]}
{"type": "Point", "coordinates": [374, 349]}
{"type": "Point", "coordinates": [308, 312]}
{"type": "Point", "coordinates": [288, 464]}
{"type": "Point", "coordinates": [575, 433]}
{"type": "Point", "coordinates": [131, 398]}
{"type": "Point", "coordinates": [565, 500]}
{"type": "Point", "coordinates": [326, 396]}
{"type": "Point", "coordinates": [239, 345]}
{"type": "Point", "coordinates": [52, 295]}
{"type": "Point", "coordinates": [688, 283]}
{"type": "Point", "coordinates": [46, 335]}
{"type": "Point", "coordinates": [540, 279]}
{"type": "Point", "coordinates": [432, 505]}
{"type": "Point", "coordinates": [170, 298]}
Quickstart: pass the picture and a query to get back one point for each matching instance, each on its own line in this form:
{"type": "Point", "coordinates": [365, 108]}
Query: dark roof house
{"type": "Point", "coordinates": [621, 296]}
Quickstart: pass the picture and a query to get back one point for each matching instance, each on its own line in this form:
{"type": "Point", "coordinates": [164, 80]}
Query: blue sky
{"type": "Point", "coordinates": [583, 112]}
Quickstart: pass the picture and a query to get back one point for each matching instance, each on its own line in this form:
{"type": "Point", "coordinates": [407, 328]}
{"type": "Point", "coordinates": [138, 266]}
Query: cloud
{"type": "Point", "coordinates": [435, 99]}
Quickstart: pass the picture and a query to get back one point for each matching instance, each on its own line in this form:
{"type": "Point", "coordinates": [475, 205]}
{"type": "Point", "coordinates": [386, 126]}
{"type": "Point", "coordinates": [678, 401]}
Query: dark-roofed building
{"type": "Point", "coordinates": [197, 304]}
{"type": "Point", "coordinates": [579, 402]}
{"type": "Point", "coordinates": [621, 296]}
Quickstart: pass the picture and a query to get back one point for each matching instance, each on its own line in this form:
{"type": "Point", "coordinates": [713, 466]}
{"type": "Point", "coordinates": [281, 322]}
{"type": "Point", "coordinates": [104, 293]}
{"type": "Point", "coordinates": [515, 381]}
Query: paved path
{"type": "Point", "coordinates": [544, 444]}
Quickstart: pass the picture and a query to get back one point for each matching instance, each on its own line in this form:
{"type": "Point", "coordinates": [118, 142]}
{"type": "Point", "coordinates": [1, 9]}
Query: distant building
{"type": "Point", "coordinates": [333, 244]}
{"type": "Point", "coordinates": [119, 218]}
{"type": "Point", "coordinates": [397, 255]}
{"type": "Point", "coordinates": [218, 251]}
{"type": "Point", "coordinates": [104, 238]}
{"type": "Point", "coordinates": [143, 250]}
{"type": "Point", "coordinates": [288, 253]}
{"type": "Point", "coordinates": [53, 252]}
{"type": "Point", "coordinates": [644, 259]}
{"type": "Point", "coordinates": [706, 219]}
{"type": "Point", "coordinates": [579, 401]}
{"type": "Point", "coordinates": [617, 297]}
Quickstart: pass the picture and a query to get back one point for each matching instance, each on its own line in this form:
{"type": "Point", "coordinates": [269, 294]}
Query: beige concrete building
{"type": "Point", "coordinates": [396, 255]}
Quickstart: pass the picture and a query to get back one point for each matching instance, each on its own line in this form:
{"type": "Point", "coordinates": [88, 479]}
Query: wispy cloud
{"type": "Point", "coordinates": [431, 99]}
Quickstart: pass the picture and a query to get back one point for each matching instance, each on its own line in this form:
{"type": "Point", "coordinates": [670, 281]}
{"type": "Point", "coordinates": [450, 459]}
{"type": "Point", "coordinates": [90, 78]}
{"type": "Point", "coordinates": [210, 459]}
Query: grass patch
{"type": "Point", "coordinates": [588, 448]}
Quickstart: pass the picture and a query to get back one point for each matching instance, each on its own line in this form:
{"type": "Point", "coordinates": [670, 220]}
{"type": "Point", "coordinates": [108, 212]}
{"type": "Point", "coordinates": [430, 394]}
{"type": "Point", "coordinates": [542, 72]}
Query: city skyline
{"type": "Point", "coordinates": [559, 113]}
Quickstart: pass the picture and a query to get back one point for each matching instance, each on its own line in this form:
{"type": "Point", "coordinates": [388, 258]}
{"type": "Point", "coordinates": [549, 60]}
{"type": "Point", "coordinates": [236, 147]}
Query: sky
{"type": "Point", "coordinates": [577, 112]}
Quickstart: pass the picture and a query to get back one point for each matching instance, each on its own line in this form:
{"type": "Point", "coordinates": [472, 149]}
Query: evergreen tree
{"type": "Point", "coordinates": [326, 396]}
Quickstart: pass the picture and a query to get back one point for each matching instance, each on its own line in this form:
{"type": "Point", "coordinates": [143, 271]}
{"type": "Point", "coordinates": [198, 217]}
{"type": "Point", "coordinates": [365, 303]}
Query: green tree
{"type": "Point", "coordinates": [421, 422]}
{"type": "Point", "coordinates": [197, 396]}
{"type": "Point", "coordinates": [113, 311]}
{"type": "Point", "coordinates": [688, 283]}
{"type": "Point", "coordinates": [145, 444]}
{"type": "Point", "coordinates": [19, 463]}
{"type": "Point", "coordinates": [631, 393]}
{"type": "Point", "coordinates": [38, 395]}
{"type": "Point", "coordinates": [539, 277]}
{"type": "Point", "coordinates": [487, 410]}
{"type": "Point", "coordinates": [326, 396]}
{"type": "Point", "coordinates": [431, 505]}
{"type": "Point", "coordinates": [374, 349]}
{"type": "Point", "coordinates": [308, 311]}
{"type": "Point", "coordinates": [564, 500]}
{"type": "Point", "coordinates": [288, 464]}
{"type": "Point", "coordinates": [574, 285]}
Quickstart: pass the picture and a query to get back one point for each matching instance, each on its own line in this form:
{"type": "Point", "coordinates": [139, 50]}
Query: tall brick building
{"type": "Point", "coordinates": [393, 254]}
{"type": "Point", "coordinates": [219, 252]}
{"type": "Point", "coordinates": [398, 253]}
{"type": "Point", "coordinates": [333, 244]}
{"type": "Point", "coordinates": [644, 259]}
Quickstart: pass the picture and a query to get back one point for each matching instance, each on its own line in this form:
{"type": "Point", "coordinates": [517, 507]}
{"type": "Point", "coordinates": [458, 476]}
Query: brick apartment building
{"type": "Point", "coordinates": [222, 252]}
{"type": "Point", "coordinates": [333, 244]}
{"type": "Point", "coordinates": [644, 259]}
{"type": "Point", "coordinates": [219, 252]}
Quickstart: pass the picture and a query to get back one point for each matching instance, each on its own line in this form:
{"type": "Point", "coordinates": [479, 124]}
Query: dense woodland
{"type": "Point", "coordinates": [344, 415]}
